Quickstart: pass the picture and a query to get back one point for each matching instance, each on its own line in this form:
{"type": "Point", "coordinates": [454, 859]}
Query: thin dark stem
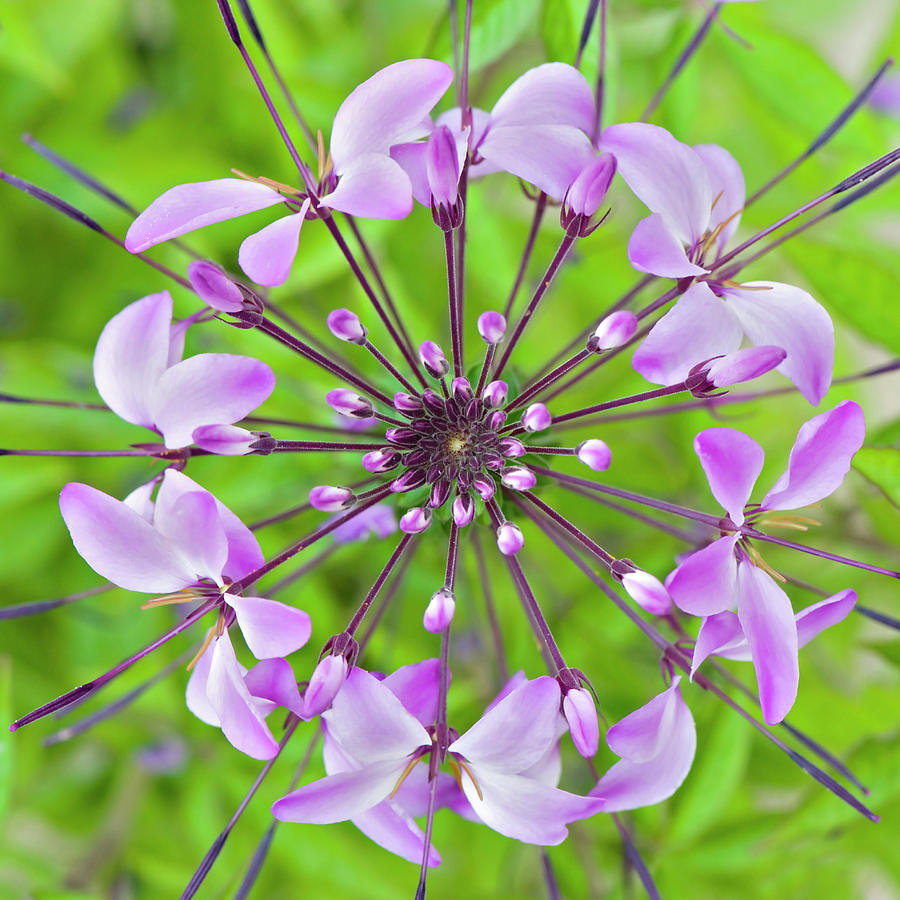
{"type": "Point", "coordinates": [395, 557]}
{"type": "Point", "coordinates": [636, 860]}
{"type": "Point", "coordinates": [391, 368]}
{"type": "Point", "coordinates": [549, 876]}
{"type": "Point", "coordinates": [496, 631]}
{"type": "Point", "coordinates": [64, 404]}
{"type": "Point", "coordinates": [330, 446]}
{"type": "Point", "coordinates": [539, 208]}
{"type": "Point", "coordinates": [543, 383]}
{"type": "Point", "coordinates": [305, 569]}
{"type": "Point", "coordinates": [456, 337]}
{"type": "Point", "coordinates": [388, 595]}
{"type": "Point", "coordinates": [20, 610]}
{"type": "Point", "coordinates": [621, 401]}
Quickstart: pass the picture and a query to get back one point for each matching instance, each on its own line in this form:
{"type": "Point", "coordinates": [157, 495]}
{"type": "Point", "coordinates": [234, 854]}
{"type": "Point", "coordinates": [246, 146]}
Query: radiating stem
{"type": "Point", "coordinates": [539, 208]}
{"type": "Point", "coordinates": [496, 631]}
{"type": "Point", "coordinates": [379, 583]}
{"type": "Point", "coordinates": [453, 297]}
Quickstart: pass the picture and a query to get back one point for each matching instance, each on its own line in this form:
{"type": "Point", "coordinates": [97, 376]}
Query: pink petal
{"type": "Point", "coordinates": [786, 316]}
{"type": "Point", "coordinates": [387, 109]}
{"type": "Point", "coordinates": [214, 287]}
{"type": "Point", "coordinates": [481, 121]}
{"type": "Point", "coordinates": [370, 723]}
{"type": "Point", "coordinates": [208, 389]}
{"type": "Point", "coordinates": [267, 256]}
{"type": "Point", "coordinates": [140, 500]}
{"type": "Point", "coordinates": [397, 832]}
{"type": "Point", "coordinates": [517, 732]}
{"type": "Point", "coordinates": [706, 582]}
{"type": "Point", "coordinates": [195, 693]}
{"type": "Point", "coordinates": [667, 176]}
{"type": "Point", "coordinates": [768, 622]}
{"type": "Point", "coordinates": [117, 543]}
{"type": "Point", "coordinates": [372, 186]}
{"type": "Point", "coordinates": [225, 440]}
{"type": "Point", "coordinates": [820, 457]}
{"type": "Point", "coordinates": [514, 682]}
{"type": "Point", "coordinates": [551, 94]}
{"type": "Point", "coordinates": [697, 327]}
{"type": "Point", "coordinates": [273, 680]}
{"type": "Point", "coordinates": [644, 734]}
{"type": "Point", "coordinates": [732, 463]}
{"type": "Point", "coordinates": [728, 191]}
{"type": "Point", "coordinates": [192, 525]}
{"type": "Point", "coordinates": [270, 628]}
{"type": "Point", "coordinates": [813, 620]}
{"type": "Point", "coordinates": [416, 687]}
{"type": "Point", "coordinates": [131, 355]}
{"type": "Point", "coordinates": [187, 207]}
{"type": "Point", "coordinates": [653, 248]}
{"type": "Point", "coordinates": [411, 158]}
{"type": "Point", "coordinates": [720, 635]}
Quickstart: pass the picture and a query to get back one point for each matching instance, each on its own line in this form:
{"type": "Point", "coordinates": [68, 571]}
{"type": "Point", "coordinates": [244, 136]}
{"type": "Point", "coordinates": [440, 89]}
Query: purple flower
{"type": "Point", "coordinates": [724, 574]}
{"type": "Point", "coordinates": [695, 195]}
{"type": "Point", "coordinates": [141, 376]}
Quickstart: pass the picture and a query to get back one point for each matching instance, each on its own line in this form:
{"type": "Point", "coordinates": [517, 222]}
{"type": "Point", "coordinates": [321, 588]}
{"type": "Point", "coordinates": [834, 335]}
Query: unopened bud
{"type": "Point", "coordinates": [461, 390]}
{"type": "Point", "coordinates": [510, 539]}
{"type": "Point", "coordinates": [433, 402]}
{"type": "Point", "coordinates": [496, 420]}
{"type": "Point", "coordinates": [227, 440]}
{"type": "Point", "coordinates": [492, 327]}
{"type": "Point", "coordinates": [349, 403]}
{"type": "Point", "coordinates": [440, 492]}
{"type": "Point", "coordinates": [587, 191]}
{"type": "Point", "coordinates": [442, 167]}
{"type": "Point", "coordinates": [327, 679]}
{"type": "Point", "coordinates": [581, 714]}
{"type": "Point", "coordinates": [433, 359]}
{"type": "Point", "coordinates": [595, 454]}
{"type": "Point", "coordinates": [495, 394]}
{"type": "Point", "coordinates": [463, 510]}
{"type": "Point", "coordinates": [382, 460]}
{"type": "Point", "coordinates": [407, 404]}
{"type": "Point", "coordinates": [744, 365]}
{"type": "Point", "coordinates": [484, 486]}
{"type": "Point", "coordinates": [512, 448]}
{"type": "Point", "coordinates": [645, 589]}
{"type": "Point", "coordinates": [329, 498]}
{"type": "Point", "coordinates": [415, 520]}
{"type": "Point", "coordinates": [536, 417]}
{"type": "Point", "coordinates": [616, 329]}
{"type": "Point", "coordinates": [439, 612]}
{"type": "Point", "coordinates": [214, 287]}
{"type": "Point", "coordinates": [518, 478]}
{"type": "Point", "coordinates": [408, 481]}
{"type": "Point", "coordinates": [346, 326]}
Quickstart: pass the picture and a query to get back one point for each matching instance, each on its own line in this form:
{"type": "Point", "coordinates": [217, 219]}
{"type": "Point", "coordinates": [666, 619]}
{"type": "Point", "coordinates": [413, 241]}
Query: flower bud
{"type": "Point", "coordinates": [214, 287]}
{"type": "Point", "coordinates": [615, 330]}
{"type": "Point", "coordinates": [512, 448]}
{"type": "Point", "coordinates": [510, 539]}
{"type": "Point", "coordinates": [495, 394]}
{"type": "Point", "coordinates": [440, 492]}
{"type": "Point", "coordinates": [463, 510]}
{"type": "Point", "coordinates": [345, 326]}
{"type": "Point", "coordinates": [382, 460]}
{"type": "Point", "coordinates": [433, 359]}
{"type": "Point", "coordinates": [496, 420]}
{"type": "Point", "coordinates": [329, 498]}
{"type": "Point", "coordinates": [439, 612]}
{"type": "Point", "coordinates": [461, 390]}
{"type": "Point", "coordinates": [587, 191]}
{"type": "Point", "coordinates": [226, 440]}
{"type": "Point", "coordinates": [442, 167]}
{"type": "Point", "coordinates": [407, 404]}
{"type": "Point", "coordinates": [492, 327]}
{"type": "Point", "coordinates": [744, 365]}
{"type": "Point", "coordinates": [327, 679]}
{"type": "Point", "coordinates": [415, 520]}
{"type": "Point", "coordinates": [645, 589]}
{"type": "Point", "coordinates": [433, 402]}
{"type": "Point", "coordinates": [595, 454]}
{"type": "Point", "coordinates": [518, 478]}
{"type": "Point", "coordinates": [484, 486]}
{"type": "Point", "coordinates": [402, 437]}
{"type": "Point", "coordinates": [536, 417]}
{"type": "Point", "coordinates": [349, 403]}
{"type": "Point", "coordinates": [581, 714]}
{"type": "Point", "coordinates": [408, 481]}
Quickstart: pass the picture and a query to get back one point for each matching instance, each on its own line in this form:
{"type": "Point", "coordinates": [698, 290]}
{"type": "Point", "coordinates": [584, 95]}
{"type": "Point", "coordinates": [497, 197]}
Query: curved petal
{"type": "Point", "coordinates": [820, 457]}
{"type": "Point", "coordinates": [732, 462]}
{"type": "Point", "coordinates": [517, 732]}
{"type": "Point", "coordinates": [411, 158]}
{"type": "Point", "coordinates": [481, 121]}
{"type": "Point", "coordinates": [786, 316]}
{"type": "Point", "coordinates": [728, 191]}
{"type": "Point", "coordinates": [387, 109]}
{"type": "Point", "coordinates": [768, 622]}
{"type": "Point", "coordinates": [119, 544]}
{"type": "Point", "coordinates": [549, 156]}
{"type": "Point", "coordinates": [270, 628]}
{"type": "Point", "coordinates": [341, 796]}
{"type": "Point", "coordinates": [370, 723]}
{"type": "Point", "coordinates": [554, 93]}
{"type": "Point", "coordinates": [653, 248]}
{"type": "Point", "coordinates": [523, 808]}
{"type": "Point", "coordinates": [667, 176]}
{"type": "Point", "coordinates": [192, 525]}
{"type": "Point", "coordinates": [139, 500]}
{"type": "Point", "coordinates": [698, 327]}
{"type": "Point", "coordinates": [273, 680]}
{"type": "Point", "coordinates": [416, 687]}
{"type": "Point", "coordinates": [267, 256]}
{"type": "Point", "coordinates": [187, 207]}
{"type": "Point", "coordinates": [813, 620]}
{"type": "Point", "coordinates": [208, 389]}
{"type": "Point", "coordinates": [372, 186]}
{"type": "Point", "coordinates": [397, 832]}
{"type": "Point", "coordinates": [646, 732]}
{"type": "Point", "coordinates": [706, 582]}
{"type": "Point", "coordinates": [195, 693]}
{"type": "Point", "coordinates": [132, 353]}
{"type": "Point", "coordinates": [720, 635]}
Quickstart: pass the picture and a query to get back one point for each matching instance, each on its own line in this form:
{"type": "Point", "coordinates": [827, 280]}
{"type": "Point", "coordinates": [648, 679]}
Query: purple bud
{"type": "Point", "coordinates": [484, 486]}
{"type": "Point", "coordinates": [440, 493]}
{"type": "Point", "coordinates": [433, 359]}
{"type": "Point", "coordinates": [434, 403]}
{"type": "Point", "coordinates": [495, 394]}
{"type": "Point", "coordinates": [496, 420]}
{"type": "Point", "coordinates": [615, 330]}
{"type": "Point", "coordinates": [349, 403]}
{"type": "Point", "coordinates": [492, 460]}
{"type": "Point", "coordinates": [408, 481]}
{"type": "Point", "coordinates": [345, 326]}
{"type": "Point", "coordinates": [402, 437]}
{"type": "Point", "coordinates": [536, 417]}
{"type": "Point", "coordinates": [595, 454]}
{"type": "Point", "coordinates": [461, 390]}
{"type": "Point", "coordinates": [510, 539]}
{"type": "Point", "coordinates": [648, 592]}
{"type": "Point", "coordinates": [518, 478]}
{"type": "Point", "coordinates": [744, 365]}
{"type": "Point", "coordinates": [407, 404]}
{"type": "Point", "coordinates": [512, 448]}
{"type": "Point", "coordinates": [587, 191]}
{"type": "Point", "coordinates": [214, 287]}
{"type": "Point", "coordinates": [327, 679]}
{"type": "Point", "coordinates": [463, 510]}
{"type": "Point", "coordinates": [328, 498]}
{"type": "Point", "coordinates": [226, 440]}
{"type": "Point", "coordinates": [439, 612]}
{"type": "Point", "coordinates": [382, 460]}
{"type": "Point", "coordinates": [415, 520]}
{"type": "Point", "coordinates": [442, 167]}
{"type": "Point", "coordinates": [581, 714]}
{"type": "Point", "coordinates": [492, 327]}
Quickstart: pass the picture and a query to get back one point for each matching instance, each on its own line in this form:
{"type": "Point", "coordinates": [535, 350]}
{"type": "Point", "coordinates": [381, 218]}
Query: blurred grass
{"type": "Point", "coordinates": [149, 93]}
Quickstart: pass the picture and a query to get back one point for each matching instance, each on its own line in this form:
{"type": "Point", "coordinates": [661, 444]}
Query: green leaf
{"type": "Point", "coordinates": [881, 465]}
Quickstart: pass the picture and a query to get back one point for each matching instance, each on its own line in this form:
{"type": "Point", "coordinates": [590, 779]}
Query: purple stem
{"type": "Point", "coordinates": [395, 557]}
{"type": "Point", "coordinates": [496, 631]}
{"type": "Point", "coordinates": [20, 610]}
{"type": "Point", "coordinates": [391, 368]}
{"type": "Point", "coordinates": [635, 860]}
{"type": "Point", "coordinates": [388, 596]}
{"type": "Point", "coordinates": [601, 76]}
{"type": "Point", "coordinates": [621, 401]}
{"type": "Point", "coordinates": [65, 404]}
{"type": "Point", "coordinates": [539, 208]}
{"type": "Point", "coordinates": [305, 569]}
{"type": "Point", "coordinates": [285, 446]}
{"type": "Point", "coordinates": [290, 423]}
{"type": "Point", "coordinates": [543, 383]}
{"type": "Point", "coordinates": [80, 453]}
{"type": "Point", "coordinates": [455, 311]}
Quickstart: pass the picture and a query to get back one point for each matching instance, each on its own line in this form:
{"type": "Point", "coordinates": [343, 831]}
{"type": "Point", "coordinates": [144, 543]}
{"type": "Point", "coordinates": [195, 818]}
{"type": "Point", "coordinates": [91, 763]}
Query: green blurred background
{"type": "Point", "coordinates": [150, 93]}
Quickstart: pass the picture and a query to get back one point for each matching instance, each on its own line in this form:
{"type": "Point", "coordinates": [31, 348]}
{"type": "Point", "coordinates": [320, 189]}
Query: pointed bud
{"type": "Point", "coordinates": [346, 326]}
{"type": "Point", "coordinates": [433, 403]}
{"type": "Point", "coordinates": [536, 417]}
{"type": "Point", "coordinates": [648, 592]}
{"type": "Point", "coordinates": [402, 437]}
{"type": "Point", "coordinates": [228, 440]}
{"type": "Point", "coordinates": [442, 167]}
{"type": "Point", "coordinates": [595, 454]}
{"type": "Point", "coordinates": [329, 498]}
{"type": "Point", "coordinates": [415, 520]}
{"type": "Point", "coordinates": [616, 329]}
{"type": "Point", "coordinates": [407, 404]}
{"type": "Point", "coordinates": [461, 390]}
{"type": "Point", "coordinates": [587, 191]}
{"type": "Point", "coordinates": [327, 679]}
{"type": "Point", "coordinates": [518, 478]}
{"type": "Point", "coordinates": [510, 539]}
{"type": "Point", "coordinates": [581, 714]}
{"type": "Point", "coordinates": [492, 327]}
{"type": "Point", "coordinates": [408, 481]}
{"type": "Point", "coordinates": [512, 448]}
{"type": "Point", "coordinates": [439, 612]}
{"type": "Point", "coordinates": [744, 365]}
{"type": "Point", "coordinates": [495, 394]}
{"type": "Point", "coordinates": [496, 420]}
{"type": "Point", "coordinates": [382, 460]}
{"type": "Point", "coordinates": [214, 287]}
{"type": "Point", "coordinates": [484, 486]}
{"type": "Point", "coordinates": [440, 493]}
{"type": "Point", "coordinates": [463, 510]}
{"type": "Point", "coordinates": [349, 403]}
{"type": "Point", "coordinates": [433, 359]}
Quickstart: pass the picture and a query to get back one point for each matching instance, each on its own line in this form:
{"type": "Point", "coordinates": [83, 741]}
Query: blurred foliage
{"type": "Point", "coordinates": [149, 93]}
